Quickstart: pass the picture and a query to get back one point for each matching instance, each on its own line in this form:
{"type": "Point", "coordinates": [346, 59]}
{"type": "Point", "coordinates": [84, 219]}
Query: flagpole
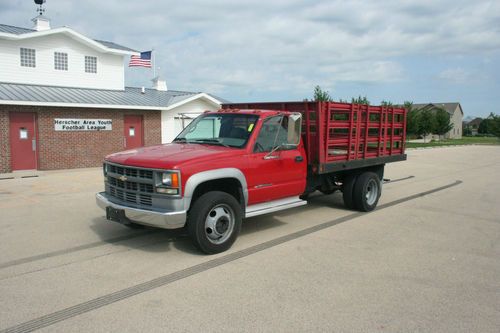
{"type": "Point", "coordinates": [154, 62]}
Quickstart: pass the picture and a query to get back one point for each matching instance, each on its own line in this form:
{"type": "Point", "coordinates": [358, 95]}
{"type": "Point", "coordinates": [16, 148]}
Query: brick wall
{"type": "Point", "coordinates": [76, 149]}
{"type": "Point", "coordinates": [4, 141]}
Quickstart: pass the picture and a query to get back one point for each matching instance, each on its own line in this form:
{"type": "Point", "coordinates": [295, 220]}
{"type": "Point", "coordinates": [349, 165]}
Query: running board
{"type": "Point", "coordinates": [274, 206]}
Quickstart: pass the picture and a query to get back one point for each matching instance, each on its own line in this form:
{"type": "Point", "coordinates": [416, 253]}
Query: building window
{"type": "Point", "coordinates": [90, 64]}
{"type": "Point", "coordinates": [28, 57]}
{"type": "Point", "coordinates": [61, 61]}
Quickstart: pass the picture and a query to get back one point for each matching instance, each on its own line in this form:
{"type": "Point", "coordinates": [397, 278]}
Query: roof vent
{"type": "Point", "coordinates": [159, 84]}
{"type": "Point", "coordinates": [143, 90]}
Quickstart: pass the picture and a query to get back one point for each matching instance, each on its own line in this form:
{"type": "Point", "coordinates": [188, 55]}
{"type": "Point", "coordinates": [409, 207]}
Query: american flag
{"type": "Point", "coordinates": [144, 60]}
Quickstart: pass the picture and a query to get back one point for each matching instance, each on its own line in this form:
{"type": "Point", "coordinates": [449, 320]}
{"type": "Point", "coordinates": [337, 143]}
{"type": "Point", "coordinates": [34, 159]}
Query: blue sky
{"type": "Point", "coordinates": [421, 51]}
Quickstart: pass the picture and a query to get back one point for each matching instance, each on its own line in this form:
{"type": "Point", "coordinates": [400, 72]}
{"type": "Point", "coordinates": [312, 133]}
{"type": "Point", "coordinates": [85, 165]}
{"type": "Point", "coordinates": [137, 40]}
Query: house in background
{"type": "Point", "coordinates": [456, 115]}
{"type": "Point", "coordinates": [473, 126]}
{"type": "Point", "coordinates": [64, 103]}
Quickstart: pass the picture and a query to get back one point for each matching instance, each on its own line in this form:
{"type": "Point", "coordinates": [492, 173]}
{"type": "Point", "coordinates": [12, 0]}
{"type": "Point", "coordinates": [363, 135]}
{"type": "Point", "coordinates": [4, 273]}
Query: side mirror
{"type": "Point", "coordinates": [294, 127]}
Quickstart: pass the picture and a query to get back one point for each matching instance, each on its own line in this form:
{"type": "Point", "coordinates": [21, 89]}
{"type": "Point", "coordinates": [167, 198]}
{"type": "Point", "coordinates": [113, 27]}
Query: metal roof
{"type": "Point", "coordinates": [20, 31]}
{"type": "Point", "coordinates": [131, 96]}
{"type": "Point", "coordinates": [115, 46]}
{"type": "Point", "coordinates": [10, 29]}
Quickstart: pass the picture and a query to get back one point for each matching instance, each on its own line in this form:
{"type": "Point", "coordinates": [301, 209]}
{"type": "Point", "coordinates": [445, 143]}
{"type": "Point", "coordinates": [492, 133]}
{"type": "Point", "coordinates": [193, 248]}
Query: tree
{"type": "Point", "coordinates": [412, 122]}
{"type": "Point", "coordinates": [426, 122]}
{"type": "Point", "coordinates": [386, 103]}
{"type": "Point", "coordinates": [484, 126]}
{"type": "Point", "coordinates": [321, 95]}
{"type": "Point", "coordinates": [408, 105]}
{"type": "Point", "coordinates": [494, 124]}
{"type": "Point", "coordinates": [360, 100]}
{"type": "Point", "coordinates": [442, 122]}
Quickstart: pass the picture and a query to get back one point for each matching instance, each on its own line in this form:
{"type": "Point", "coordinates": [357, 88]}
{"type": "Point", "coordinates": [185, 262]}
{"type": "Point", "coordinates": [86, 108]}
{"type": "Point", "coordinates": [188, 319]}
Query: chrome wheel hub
{"type": "Point", "coordinates": [372, 191]}
{"type": "Point", "coordinates": [219, 224]}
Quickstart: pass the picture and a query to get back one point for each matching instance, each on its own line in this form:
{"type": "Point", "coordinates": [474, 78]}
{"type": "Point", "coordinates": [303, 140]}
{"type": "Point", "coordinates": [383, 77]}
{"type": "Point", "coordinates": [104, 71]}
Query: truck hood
{"type": "Point", "coordinates": [172, 155]}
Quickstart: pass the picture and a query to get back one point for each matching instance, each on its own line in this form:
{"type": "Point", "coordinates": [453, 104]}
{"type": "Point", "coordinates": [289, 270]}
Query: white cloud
{"type": "Point", "coordinates": [223, 46]}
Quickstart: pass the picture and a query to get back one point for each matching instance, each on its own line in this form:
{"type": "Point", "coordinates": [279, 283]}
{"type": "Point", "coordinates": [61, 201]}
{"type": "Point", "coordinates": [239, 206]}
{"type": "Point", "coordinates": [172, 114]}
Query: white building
{"type": "Point", "coordinates": [65, 74]}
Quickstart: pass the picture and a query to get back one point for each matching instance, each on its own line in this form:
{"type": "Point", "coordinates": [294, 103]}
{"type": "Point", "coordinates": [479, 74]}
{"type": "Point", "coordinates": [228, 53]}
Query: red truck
{"type": "Point", "coordinates": [250, 159]}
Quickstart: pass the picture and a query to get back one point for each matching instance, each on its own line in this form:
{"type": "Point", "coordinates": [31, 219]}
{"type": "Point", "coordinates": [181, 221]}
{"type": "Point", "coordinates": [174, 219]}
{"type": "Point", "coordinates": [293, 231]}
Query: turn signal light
{"type": "Point", "coordinates": [175, 180]}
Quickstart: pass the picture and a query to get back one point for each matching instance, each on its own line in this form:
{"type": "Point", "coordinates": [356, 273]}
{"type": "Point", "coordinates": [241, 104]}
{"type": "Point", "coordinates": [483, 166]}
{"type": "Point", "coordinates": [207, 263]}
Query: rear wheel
{"type": "Point", "coordinates": [347, 191]}
{"type": "Point", "coordinates": [367, 191]}
{"type": "Point", "coordinates": [214, 222]}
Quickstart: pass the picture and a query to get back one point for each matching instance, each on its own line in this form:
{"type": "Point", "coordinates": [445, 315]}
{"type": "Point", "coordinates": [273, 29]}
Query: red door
{"type": "Point", "coordinates": [276, 175]}
{"type": "Point", "coordinates": [281, 176]}
{"type": "Point", "coordinates": [23, 140]}
{"type": "Point", "coordinates": [133, 131]}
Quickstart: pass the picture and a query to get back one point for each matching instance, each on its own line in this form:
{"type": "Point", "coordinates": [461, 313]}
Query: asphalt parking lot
{"type": "Point", "coordinates": [427, 260]}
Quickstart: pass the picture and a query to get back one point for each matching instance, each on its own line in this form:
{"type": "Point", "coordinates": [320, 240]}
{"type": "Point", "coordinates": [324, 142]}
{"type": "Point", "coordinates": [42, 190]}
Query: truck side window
{"type": "Point", "coordinates": [273, 133]}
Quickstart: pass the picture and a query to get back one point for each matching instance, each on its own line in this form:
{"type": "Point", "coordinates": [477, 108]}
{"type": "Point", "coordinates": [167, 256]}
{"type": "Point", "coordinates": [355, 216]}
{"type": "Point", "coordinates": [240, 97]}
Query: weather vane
{"type": "Point", "coordinates": [40, 8]}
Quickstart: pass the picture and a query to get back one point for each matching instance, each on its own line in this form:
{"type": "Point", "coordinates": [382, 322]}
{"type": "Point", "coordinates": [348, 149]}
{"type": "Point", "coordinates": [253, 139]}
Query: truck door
{"type": "Point", "coordinates": [279, 174]}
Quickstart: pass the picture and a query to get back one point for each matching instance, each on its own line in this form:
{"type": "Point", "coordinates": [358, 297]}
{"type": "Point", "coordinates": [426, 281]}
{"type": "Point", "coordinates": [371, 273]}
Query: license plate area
{"type": "Point", "coordinates": [116, 215]}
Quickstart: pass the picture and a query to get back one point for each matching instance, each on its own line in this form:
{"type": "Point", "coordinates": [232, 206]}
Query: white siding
{"type": "Point", "coordinates": [170, 127]}
{"type": "Point", "coordinates": [456, 120]}
{"type": "Point", "coordinates": [110, 71]}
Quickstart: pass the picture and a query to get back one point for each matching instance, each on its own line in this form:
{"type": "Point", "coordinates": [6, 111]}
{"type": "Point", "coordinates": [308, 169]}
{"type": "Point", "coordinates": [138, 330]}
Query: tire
{"type": "Point", "coordinates": [214, 222]}
{"type": "Point", "coordinates": [347, 191]}
{"type": "Point", "coordinates": [367, 191]}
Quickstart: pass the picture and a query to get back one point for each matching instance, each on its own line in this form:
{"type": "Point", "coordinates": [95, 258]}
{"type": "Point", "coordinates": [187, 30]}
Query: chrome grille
{"type": "Point", "coordinates": [137, 189]}
{"type": "Point", "coordinates": [132, 186]}
{"type": "Point", "coordinates": [130, 172]}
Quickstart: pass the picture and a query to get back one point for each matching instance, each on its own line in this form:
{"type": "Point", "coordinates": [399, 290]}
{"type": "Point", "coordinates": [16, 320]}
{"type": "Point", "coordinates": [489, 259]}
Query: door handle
{"type": "Point", "coordinates": [271, 157]}
{"type": "Point", "coordinates": [33, 144]}
{"type": "Point", "coordinates": [299, 159]}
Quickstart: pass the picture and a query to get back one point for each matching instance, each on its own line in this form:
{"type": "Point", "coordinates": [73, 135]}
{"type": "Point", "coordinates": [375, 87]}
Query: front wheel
{"type": "Point", "coordinates": [214, 222]}
{"type": "Point", "coordinates": [367, 191]}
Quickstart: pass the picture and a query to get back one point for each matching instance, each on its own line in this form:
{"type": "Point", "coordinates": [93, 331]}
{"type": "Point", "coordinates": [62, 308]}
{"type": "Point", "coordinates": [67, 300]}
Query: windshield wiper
{"type": "Point", "coordinates": [180, 140]}
{"type": "Point", "coordinates": [209, 141]}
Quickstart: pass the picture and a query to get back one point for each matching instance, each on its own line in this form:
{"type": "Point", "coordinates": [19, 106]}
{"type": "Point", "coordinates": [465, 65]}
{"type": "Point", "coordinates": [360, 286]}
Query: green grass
{"type": "Point", "coordinates": [466, 140]}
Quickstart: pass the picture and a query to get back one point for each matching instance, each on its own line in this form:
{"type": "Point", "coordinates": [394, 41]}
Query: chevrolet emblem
{"type": "Point", "coordinates": [123, 178]}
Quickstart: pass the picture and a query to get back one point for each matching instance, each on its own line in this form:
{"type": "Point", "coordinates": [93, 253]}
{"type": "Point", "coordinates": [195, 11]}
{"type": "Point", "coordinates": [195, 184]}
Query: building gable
{"type": "Point", "coordinates": [100, 70]}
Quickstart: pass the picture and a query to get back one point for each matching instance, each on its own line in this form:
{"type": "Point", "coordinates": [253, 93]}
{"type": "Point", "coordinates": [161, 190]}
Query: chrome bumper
{"type": "Point", "coordinates": [165, 220]}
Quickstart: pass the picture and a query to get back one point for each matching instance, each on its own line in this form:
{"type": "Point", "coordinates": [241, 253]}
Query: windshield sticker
{"type": "Point", "coordinates": [250, 128]}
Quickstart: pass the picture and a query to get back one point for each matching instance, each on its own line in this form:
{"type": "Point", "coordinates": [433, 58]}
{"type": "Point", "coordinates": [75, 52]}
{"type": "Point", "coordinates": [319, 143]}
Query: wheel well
{"type": "Point", "coordinates": [231, 186]}
{"type": "Point", "coordinates": [378, 169]}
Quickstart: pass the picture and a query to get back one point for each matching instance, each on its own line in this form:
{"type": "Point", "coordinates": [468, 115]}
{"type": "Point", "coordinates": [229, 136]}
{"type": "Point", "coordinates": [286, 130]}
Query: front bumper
{"type": "Point", "coordinates": [165, 220]}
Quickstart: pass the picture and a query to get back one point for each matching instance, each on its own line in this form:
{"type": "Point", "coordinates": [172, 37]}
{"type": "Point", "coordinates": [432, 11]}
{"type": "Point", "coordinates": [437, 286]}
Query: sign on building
{"type": "Point", "coordinates": [65, 124]}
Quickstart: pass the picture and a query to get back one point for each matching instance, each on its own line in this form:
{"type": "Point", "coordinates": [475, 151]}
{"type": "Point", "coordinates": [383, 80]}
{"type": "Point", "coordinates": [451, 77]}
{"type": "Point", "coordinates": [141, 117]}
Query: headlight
{"type": "Point", "coordinates": [169, 183]}
{"type": "Point", "coordinates": [170, 179]}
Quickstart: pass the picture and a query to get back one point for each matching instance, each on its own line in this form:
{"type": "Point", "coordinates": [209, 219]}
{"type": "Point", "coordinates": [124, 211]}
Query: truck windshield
{"type": "Point", "coordinates": [225, 129]}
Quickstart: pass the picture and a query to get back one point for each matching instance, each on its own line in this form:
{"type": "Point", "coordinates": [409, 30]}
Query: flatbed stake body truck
{"type": "Point", "coordinates": [250, 159]}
